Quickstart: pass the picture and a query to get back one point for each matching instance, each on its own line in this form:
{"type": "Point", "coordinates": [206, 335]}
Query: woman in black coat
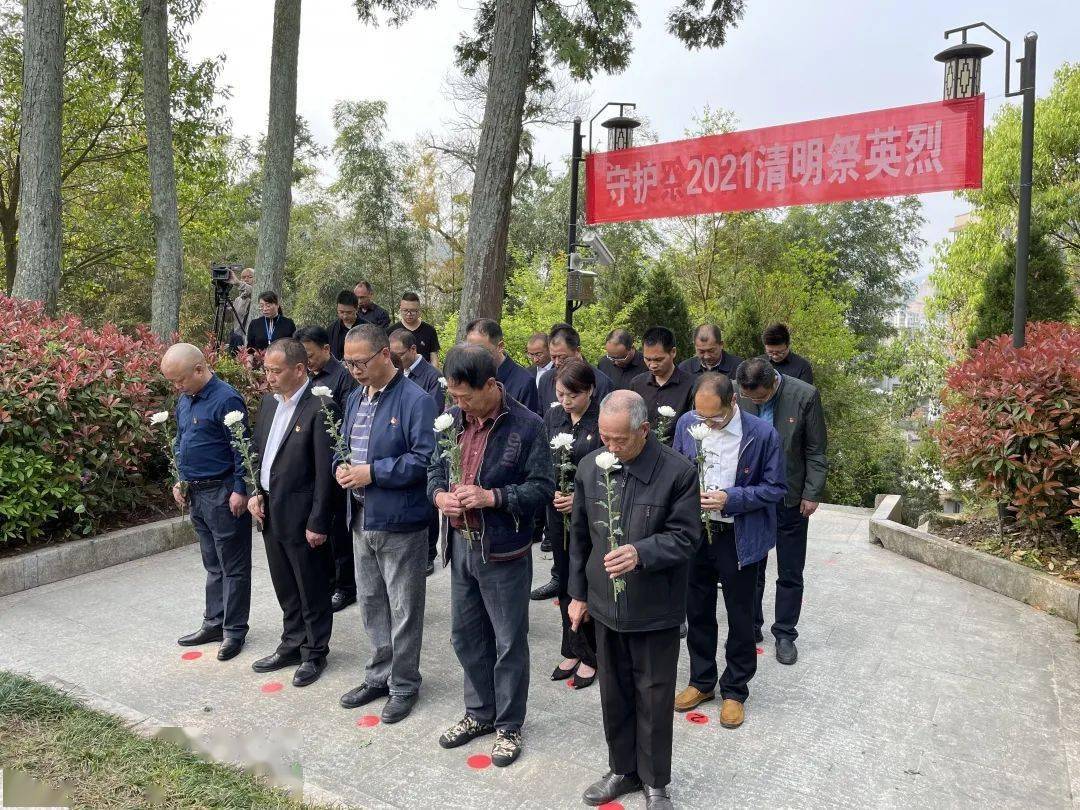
{"type": "Point", "coordinates": [575, 414]}
{"type": "Point", "coordinates": [272, 324]}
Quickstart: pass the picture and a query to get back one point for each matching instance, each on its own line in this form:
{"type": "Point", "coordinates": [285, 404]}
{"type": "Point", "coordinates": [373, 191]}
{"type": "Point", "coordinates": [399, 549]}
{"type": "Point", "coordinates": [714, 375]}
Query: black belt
{"type": "Point", "coordinates": [207, 483]}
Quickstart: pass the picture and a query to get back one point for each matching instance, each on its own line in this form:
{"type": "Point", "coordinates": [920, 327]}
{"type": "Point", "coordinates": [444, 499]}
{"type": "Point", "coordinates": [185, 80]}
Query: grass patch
{"type": "Point", "coordinates": [54, 738]}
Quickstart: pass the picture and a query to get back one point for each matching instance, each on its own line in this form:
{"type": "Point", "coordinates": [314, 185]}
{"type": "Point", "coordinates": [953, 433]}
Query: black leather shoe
{"type": "Point", "coordinates": [547, 591]}
{"type": "Point", "coordinates": [398, 707]}
{"type": "Point", "coordinates": [364, 693]}
{"type": "Point", "coordinates": [683, 629]}
{"type": "Point", "coordinates": [786, 652]}
{"type": "Point", "coordinates": [561, 674]}
{"type": "Point", "coordinates": [757, 635]}
{"type": "Point", "coordinates": [430, 568]}
{"type": "Point", "coordinates": [609, 788]}
{"type": "Point", "coordinates": [230, 648]}
{"type": "Point", "coordinates": [545, 546]}
{"type": "Point", "coordinates": [657, 799]}
{"type": "Point", "coordinates": [204, 635]}
{"type": "Point", "coordinates": [276, 661]}
{"type": "Point", "coordinates": [308, 672]}
{"type": "Point", "coordinates": [341, 600]}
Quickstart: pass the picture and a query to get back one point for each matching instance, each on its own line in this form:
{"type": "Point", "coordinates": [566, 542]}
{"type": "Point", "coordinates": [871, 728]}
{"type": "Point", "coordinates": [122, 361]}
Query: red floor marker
{"type": "Point", "coordinates": [191, 655]}
{"type": "Point", "coordinates": [555, 602]}
{"type": "Point", "coordinates": [612, 806]}
{"type": "Point", "coordinates": [478, 762]}
{"type": "Point", "coordinates": [270, 688]}
{"type": "Point", "coordinates": [697, 718]}
{"type": "Point", "coordinates": [368, 720]}
{"type": "Point", "coordinates": [760, 650]}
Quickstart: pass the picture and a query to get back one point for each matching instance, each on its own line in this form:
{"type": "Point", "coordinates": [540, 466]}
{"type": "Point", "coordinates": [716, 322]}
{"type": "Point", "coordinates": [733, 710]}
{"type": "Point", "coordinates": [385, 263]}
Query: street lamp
{"type": "Point", "coordinates": [579, 282]}
{"type": "Point", "coordinates": [962, 79]}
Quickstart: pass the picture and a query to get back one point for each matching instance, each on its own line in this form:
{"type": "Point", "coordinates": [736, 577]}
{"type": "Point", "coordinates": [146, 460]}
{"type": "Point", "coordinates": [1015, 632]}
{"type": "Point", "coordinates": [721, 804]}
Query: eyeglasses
{"type": "Point", "coordinates": [404, 311]}
{"type": "Point", "coordinates": [535, 355]}
{"type": "Point", "coordinates": [357, 365]}
{"type": "Point", "coordinates": [716, 422]}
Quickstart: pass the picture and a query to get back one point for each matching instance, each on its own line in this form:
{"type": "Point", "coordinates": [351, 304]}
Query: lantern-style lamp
{"type": "Point", "coordinates": [963, 69]}
{"type": "Point", "coordinates": [620, 131]}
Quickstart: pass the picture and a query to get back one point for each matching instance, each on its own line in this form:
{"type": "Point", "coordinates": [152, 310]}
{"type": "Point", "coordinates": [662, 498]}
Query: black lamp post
{"type": "Point", "coordinates": [962, 79]}
{"type": "Point", "coordinates": [620, 136]}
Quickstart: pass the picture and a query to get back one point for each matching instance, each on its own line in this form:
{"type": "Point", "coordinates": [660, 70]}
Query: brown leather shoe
{"type": "Point", "coordinates": [690, 698]}
{"type": "Point", "coordinates": [731, 714]}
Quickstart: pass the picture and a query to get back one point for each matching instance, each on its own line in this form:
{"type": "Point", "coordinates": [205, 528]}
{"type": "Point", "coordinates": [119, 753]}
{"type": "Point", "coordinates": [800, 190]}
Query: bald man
{"type": "Point", "coordinates": [213, 476]}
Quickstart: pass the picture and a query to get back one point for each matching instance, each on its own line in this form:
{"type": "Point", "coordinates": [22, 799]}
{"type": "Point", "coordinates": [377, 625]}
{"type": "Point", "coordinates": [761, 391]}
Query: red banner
{"type": "Point", "coordinates": [905, 150]}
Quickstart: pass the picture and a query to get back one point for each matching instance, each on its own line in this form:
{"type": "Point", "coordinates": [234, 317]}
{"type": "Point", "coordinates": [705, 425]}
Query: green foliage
{"type": "Point", "coordinates": [1050, 291]}
{"type": "Point", "coordinates": [661, 303]}
{"type": "Point", "coordinates": [33, 493]}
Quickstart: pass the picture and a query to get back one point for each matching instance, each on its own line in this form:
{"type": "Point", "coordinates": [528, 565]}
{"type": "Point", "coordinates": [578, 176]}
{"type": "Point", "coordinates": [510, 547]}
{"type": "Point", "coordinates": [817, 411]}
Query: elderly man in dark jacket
{"type": "Point", "coordinates": [634, 587]}
{"type": "Point", "coordinates": [490, 476]}
{"type": "Point", "coordinates": [794, 409]}
{"type": "Point", "coordinates": [743, 477]}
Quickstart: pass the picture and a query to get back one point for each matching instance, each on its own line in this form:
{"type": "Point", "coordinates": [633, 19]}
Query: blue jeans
{"type": "Point", "coordinates": [225, 543]}
{"type": "Point", "coordinates": [489, 628]}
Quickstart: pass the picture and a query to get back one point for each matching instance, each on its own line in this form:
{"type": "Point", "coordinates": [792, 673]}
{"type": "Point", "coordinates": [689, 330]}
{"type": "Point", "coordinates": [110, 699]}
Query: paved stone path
{"type": "Point", "coordinates": [913, 689]}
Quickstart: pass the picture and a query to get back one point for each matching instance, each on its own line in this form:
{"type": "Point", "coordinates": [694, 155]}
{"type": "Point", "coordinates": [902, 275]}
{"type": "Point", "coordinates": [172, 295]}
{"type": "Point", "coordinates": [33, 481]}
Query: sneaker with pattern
{"type": "Point", "coordinates": [507, 747]}
{"type": "Point", "coordinates": [463, 731]}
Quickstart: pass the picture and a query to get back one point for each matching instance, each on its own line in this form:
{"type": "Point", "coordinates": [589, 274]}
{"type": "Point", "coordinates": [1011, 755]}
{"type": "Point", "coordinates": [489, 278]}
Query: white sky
{"type": "Point", "coordinates": [787, 61]}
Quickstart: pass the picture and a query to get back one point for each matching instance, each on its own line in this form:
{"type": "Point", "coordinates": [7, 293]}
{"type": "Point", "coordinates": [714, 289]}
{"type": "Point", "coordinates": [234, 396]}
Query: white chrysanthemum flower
{"type": "Point", "coordinates": [561, 440]}
{"type": "Point", "coordinates": [322, 391]}
{"type": "Point", "coordinates": [232, 417]}
{"type": "Point", "coordinates": [699, 431]}
{"type": "Point", "coordinates": [443, 421]}
{"type": "Point", "coordinates": [666, 411]}
{"type": "Point", "coordinates": [159, 417]}
{"type": "Point", "coordinates": [607, 461]}
{"type": "Point", "coordinates": [554, 404]}
{"type": "Point", "coordinates": [443, 382]}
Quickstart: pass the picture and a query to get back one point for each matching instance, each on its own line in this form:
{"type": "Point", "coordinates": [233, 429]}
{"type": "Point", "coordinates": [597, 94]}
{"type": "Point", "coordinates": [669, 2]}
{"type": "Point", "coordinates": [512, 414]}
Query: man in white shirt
{"type": "Point", "coordinates": [539, 357]}
{"type": "Point", "coordinates": [743, 482]}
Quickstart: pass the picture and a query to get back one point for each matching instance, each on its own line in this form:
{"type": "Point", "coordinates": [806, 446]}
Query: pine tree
{"type": "Point", "coordinates": [1050, 293]}
{"type": "Point", "coordinates": [661, 303]}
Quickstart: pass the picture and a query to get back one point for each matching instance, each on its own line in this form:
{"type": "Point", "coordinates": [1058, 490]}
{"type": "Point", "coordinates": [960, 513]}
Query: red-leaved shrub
{"type": "Point", "coordinates": [1010, 423]}
{"type": "Point", "coordinates": [75, 443]}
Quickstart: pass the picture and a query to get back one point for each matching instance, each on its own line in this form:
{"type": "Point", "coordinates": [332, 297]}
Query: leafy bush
{"type": "Point", "coordinates": [75, 445]}
{"type": "Point", "coordinates": [1010, 423]}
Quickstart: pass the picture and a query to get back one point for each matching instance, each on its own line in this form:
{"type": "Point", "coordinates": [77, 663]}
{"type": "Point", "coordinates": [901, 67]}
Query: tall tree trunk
{"type": "Point", "coordinates": [37, 275]}
{"type": "Point", "coordinates": [9, 227]}
{"type": "Point", "coordinates": [496, 157]}
{"type": "Point", "coordinates": [280, 144]}
{"type": "Point", "coordinates": [169, 274]}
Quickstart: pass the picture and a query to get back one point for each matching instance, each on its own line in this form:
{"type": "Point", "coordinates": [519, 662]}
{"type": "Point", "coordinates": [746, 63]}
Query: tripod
{"type": "Point", "coordinates": [223, 307]}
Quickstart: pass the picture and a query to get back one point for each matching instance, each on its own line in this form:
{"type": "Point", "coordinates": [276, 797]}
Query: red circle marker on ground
{"type": "Point", "coordinates": [191, 655]}
{"type": "Point", "coordinates": [555, 602]}
{"type": "Point", "coordinates": [478, 762]}
{"type": "Point", "coordinates": [612, 806]}
{"type": "Point", "coordinates": [760, 650]}
{"type": "Point", "coordinates": [697, 718]}
{"type": "Point", "coordinates": [270, 688]}
{"type": "Point", "coordinates": [569, 683]}
{"type": "Point", "coordinates": [368, 720]}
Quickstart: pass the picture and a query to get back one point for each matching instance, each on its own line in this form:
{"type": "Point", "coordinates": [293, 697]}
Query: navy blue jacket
{"type": "Point", "coordinates": [759, 483]}
{"type": "Point", "coordinates": [517, 467]}
{"type": "Point", "coordinates": [519, 384]}
{"type": "Point", "coordinates": [427, 377]}
{"type": "Point", "coordinates": [400, 447]}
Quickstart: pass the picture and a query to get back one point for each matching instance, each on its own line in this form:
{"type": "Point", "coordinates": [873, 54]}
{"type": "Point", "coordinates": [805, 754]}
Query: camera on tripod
{"type": "Point", "coordinates": [222, 277]}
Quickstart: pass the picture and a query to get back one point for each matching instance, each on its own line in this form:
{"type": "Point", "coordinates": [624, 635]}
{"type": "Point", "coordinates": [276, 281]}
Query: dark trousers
{"type": "Point", "coordinates": [637, 674]}
{"type": "Point", "coordinates": [433, 537]}
{"type": "Point", "coordinates": [489, 628]}
{"type": "Point", "coordinates": [341, 546]}
{"type": "Point", "coordinates": [301, 576]}
{"type": "Point", "coordinates": [582, 642]}
{"type": "Point", "coordinates": [790, 560]}
{"type": "Point", "coordinates": [719, 561]}
{"type": "Point", "coordinates": [225, 544]}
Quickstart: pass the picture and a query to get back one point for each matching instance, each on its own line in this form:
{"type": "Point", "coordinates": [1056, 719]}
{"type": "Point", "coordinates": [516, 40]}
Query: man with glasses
{"type": "Point", "coordinates": [367, 310]}
{"type": "Point", "coordinates": [709, 354]}
{"type": "Point", "coordinates": [777, 341]}
{"type": "Point", "coordinates": [744, 481]}
{"type": "Point", "coordinates": [621, 361]}
{"type": "Point", "coordinates": [539, 357]}
{"type": "Point", "coordinates": [564, 343]}
{"type": "Point", "coordinates": [427, 339]}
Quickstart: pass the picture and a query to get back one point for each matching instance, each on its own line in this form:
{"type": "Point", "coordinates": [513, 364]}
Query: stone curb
{"type": "Point", "coordinates": [65, 560]}
{"type": "Point", "coordinates": [1006, 577]}
{"type": "Point", "coordinates": [150, 727]}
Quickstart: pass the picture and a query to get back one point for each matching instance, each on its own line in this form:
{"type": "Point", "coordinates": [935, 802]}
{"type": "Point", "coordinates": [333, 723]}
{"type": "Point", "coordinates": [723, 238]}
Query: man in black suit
{"type": "Point", "coordinates": [794, 409]}
{"type": "Point", "coordinates": [326, 370]}
{"type": "Point", "coordinates": [777, 341]}
{"type": "Point", "coordinates": [295, 507]}
{"type": "Point", "coordinates": [270, 325]}
{"type": "Point", "coordinates": [519, 383]}
{"type": "Point", "coordinates": [709, 354]}
{"type": "Point", "coordinates": [564, 343]}
{"type": "Point", "coordinates": [367, 310]}
{"type": "Point", "coordinates": [621, 361]}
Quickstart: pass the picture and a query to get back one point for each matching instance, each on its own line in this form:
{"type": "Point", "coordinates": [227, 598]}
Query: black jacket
{"type": "Point", "coordinates": [301, 478]}
{"type": "Point", "coordinates": [586, 435]}
{"type": "Point", "coordinates": [257, 339]}
{"type": "Point", "coordinates": [622, 375]}
{"type": "Point", "coordinates": [427, 377]}
{"type": "Point", "coordinates": [519, 384]}
{"type": "Point", "coordinates": [337, 332]}
{"type": "Point", "coordinates": [660, 515]}
{"type": "Point", "coordinates": [338, 379]}
{"type": "Point", "coordinates": [800, 421]}
{"type": "Point", "coordinates": [795, 365]}
{"type": "Point", "coordinates": [727, 365]}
